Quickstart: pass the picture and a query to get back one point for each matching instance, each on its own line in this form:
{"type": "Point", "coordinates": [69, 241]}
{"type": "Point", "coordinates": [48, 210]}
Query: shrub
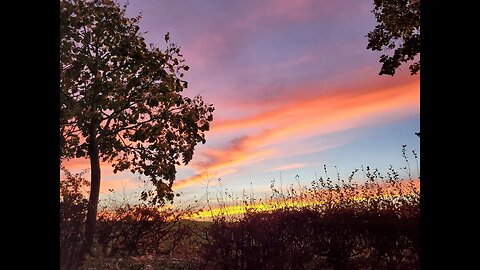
{"type": "Point", "coordinates": [327, 226]}
{"type": "Point", "coordinates": [140, 230]}
{"type": "Point", "coordinates": [73, 207]}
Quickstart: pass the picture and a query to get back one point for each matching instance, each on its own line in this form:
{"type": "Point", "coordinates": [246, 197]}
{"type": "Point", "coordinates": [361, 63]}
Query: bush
{"type": "Point", "coordinates": [73, 208]}
{"type": "Point", "coordinates": [139, 230]}
{"type": "Point", "coordinates": [373, 226]}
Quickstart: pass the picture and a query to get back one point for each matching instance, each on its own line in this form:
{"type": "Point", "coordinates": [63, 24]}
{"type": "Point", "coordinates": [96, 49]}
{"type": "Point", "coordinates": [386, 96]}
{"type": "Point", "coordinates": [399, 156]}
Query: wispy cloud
{"type": "Point", "coordinates": [325, 114]}
{"type": "Point", "coordinates": [224, 161]}
{"type": "Point", "coordinates": [300, 119]}
{"type": "Point", "coordinates": [118, 181]}
{"type": "Point", "coordinates": [121, 185]}
{"type": "Point", "coordinates": [278, 72]}
{"type": "Point", "coordinates": [287, 167]}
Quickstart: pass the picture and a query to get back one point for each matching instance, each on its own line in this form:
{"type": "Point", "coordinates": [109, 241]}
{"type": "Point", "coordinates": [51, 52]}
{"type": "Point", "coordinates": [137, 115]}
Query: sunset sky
{"type": "Point", "coordinates": [293, 86]}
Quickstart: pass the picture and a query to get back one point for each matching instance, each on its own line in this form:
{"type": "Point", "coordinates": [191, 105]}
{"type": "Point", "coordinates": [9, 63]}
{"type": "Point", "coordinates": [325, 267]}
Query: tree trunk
{"type": "Point", "coordinates": [94, 190]}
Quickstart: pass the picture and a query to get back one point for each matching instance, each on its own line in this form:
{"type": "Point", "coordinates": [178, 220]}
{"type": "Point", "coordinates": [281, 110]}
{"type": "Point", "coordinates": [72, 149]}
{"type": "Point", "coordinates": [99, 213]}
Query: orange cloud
{"type": "Point", "coordinates": [299, 118]}
{"type": "Point", "coordinates": [324, 114]}
{"type": "Point", "coordinates": [121, 181]}
{"type": "Point", "coordinates": [120, 185]}
{"type": "Point", "coordinates": [223, 162]}
{"type": "Point", "coordinates": [82, 163]}
{"type": "Point", "coordinates": [320, 117]}
{"type": "Point", "coordinates": [327, 108]}
{"type": "Point", "coordinates": [76, 164]}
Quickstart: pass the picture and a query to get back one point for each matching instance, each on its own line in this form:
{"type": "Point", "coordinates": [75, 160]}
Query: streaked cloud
{"type": "Point", "coordinates": [325, 114]}
{"type": "Point", "coordinates": [287, 167]}
{"type": "Point", "coordinates": [279, 73]}
{"type": "Point", "coordinates": [224, 162]}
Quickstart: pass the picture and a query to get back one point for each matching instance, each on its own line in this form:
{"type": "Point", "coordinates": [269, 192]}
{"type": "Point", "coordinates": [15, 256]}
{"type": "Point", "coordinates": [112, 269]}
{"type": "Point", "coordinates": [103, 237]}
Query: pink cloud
{"type": "Point", "coordinates": [330, 113]}
{"type": "Point", "coordinates": [287, 167]}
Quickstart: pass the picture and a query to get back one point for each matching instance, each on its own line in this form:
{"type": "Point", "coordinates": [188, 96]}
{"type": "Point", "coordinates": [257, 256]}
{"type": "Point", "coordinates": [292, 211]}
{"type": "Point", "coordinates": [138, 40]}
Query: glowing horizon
{"type": "Point", "coordinates": [312, 199]}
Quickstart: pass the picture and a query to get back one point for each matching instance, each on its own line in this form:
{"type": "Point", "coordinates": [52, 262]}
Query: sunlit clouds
{"type": "Point", "coordinates": [293, 87]}
{"type": "Point", "coordinates": [121, 182]}
{"type": "Point", "coordinates": [326, 114]}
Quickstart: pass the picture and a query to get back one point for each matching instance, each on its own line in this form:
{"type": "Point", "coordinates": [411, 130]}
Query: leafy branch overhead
{"type": "Point", "coordinates": [398, 29]}
{"type": "Point", "coordinates": [124, 97]}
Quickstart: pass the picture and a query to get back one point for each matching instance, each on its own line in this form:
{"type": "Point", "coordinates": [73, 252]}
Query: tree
{"type": "Point", "coordinates": [398, 29]}
{"type": "Point", "coordinates": [121, 102]}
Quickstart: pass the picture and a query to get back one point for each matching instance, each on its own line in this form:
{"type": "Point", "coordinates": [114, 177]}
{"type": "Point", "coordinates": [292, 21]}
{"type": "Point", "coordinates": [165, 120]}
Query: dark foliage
{"type": "Point", "coordinates": [121, 101]}
{"type": "Point", "coordinates": [398, 29]}
{"type": "Point", "coordinates": [308, 239]}
{"type": "Point", "coordinates": [378, 231]}
{"type": "Point", "coordinates": [122, 231]}
{"type": "Point", "coordinates": [73, 209]}
{"type": "Point", "coordinates": [139, 230]}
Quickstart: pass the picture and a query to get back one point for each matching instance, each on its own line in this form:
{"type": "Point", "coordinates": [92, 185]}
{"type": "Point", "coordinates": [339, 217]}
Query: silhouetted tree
{"type": "Point", "coordinates": [398, 29]}
{"type": "Point", "coordinates": [121, 102]}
